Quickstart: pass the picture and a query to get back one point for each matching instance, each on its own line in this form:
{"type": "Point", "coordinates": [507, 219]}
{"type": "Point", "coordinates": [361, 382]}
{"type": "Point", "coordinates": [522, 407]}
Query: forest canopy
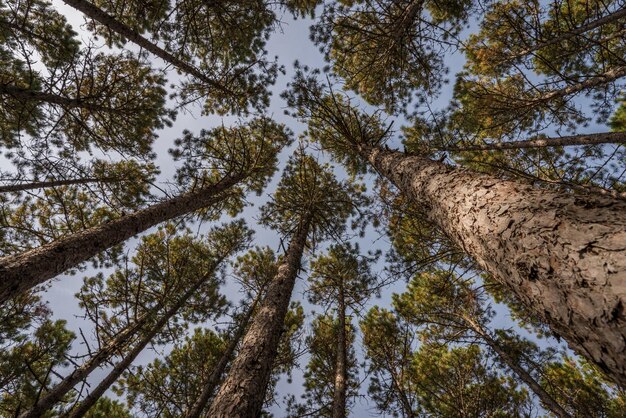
{"type": "Point", "coordinates": [312, 208]}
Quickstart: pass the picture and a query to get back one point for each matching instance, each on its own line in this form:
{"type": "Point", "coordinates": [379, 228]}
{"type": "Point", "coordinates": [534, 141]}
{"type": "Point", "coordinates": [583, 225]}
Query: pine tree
{"type": "Point", "coordinates": [170, 274]}
{"type": "Point", "coordinates": [229, 162]}
{"type": "Point", "coordinates": [309, 205]}
{"type": "Point", "coordinates": [528, 239]}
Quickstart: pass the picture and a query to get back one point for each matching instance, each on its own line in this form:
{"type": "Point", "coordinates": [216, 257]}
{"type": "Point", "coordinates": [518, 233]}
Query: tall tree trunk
{"type": "Point", "coordinates": [53, 183]}
{"type": "Point", "coordinates": [548, 401]}
{"type": "Point", "coordinates": [132, 35]}
{"type": "Point", "coordinates": [341, 375]}
{"type": "Point", "coordinates": [86, 404]}
{"type": "Point", "coordinates": [562, 255]}
{"type": "Point", "coordinates": [585, 139]}
{"type": "Point", "coordinates": [214, 378]}
{"type": "Point", "coordinates": [39, 96]}
{"type": "Point", "coordinates": [21, 272]}
{"type": "Point", "coordinates": [242, 392]}
{"type": "Point", "coordinates": [610, 18]}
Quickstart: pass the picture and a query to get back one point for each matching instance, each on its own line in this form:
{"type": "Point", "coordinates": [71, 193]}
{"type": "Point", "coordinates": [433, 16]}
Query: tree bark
{"type": "Point", "coordinates": [214, 378]}
{"type": "Point", "coordinates": [242, 392]}
{"type": "Point", "coordinates": [21, 272]}
{"type": "Point", "coordinates": [132, 35]}
{"type": "Point", "coordinates": [82, 408]}
{"type": "Point", "coordinates": [585, 139]}
{"type": "Point", "coordinates": [39, 96]}
{"type": "Point", "coordinates": [562, 255]}
{"type": "Point", "coordinates": [548, 401]}
{"type": "Point", "coordinates": [341, 375]}
{"type": "Point", "coordinates": [52, 183]}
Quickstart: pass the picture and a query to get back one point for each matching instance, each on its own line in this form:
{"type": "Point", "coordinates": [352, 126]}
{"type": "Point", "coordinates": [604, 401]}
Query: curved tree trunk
{"type": "Point", "coordinates": [132, 35]}
{"type": "Point", "coordinates": [548, 401]}
{"type": "Point", "coordinates": [22, 272]}
{"type": "Point", "coordinates": [341, 375]}
{"type": "Point", "coordinates": [597, 80]}
{"type": "Point", "coordinates": [214, 378]}
{"type": "Point", "coordinates": [120, 367]}
{"type": "Point", "coordinates": [585, 139]}
{"type": "Point", "coordinates": [564, 256]}
{"type": "Point", "coordinates": [52, 183]}
{"type": "Point", "coordinates": [242, 392]}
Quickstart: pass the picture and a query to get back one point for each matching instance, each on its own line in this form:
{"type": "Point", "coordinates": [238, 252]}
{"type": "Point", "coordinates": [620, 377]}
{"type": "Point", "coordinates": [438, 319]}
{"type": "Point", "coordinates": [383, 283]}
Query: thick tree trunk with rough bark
{"type": "Point", "coordinates": [562, 255]}
{"type": "Point", "coordinates": [39, 96]}
{"type": "Point", "coordinates": [53, 183]}
{"type": "Point", "coordinates": [548, 401]}
{"type": "Point", "coordinates": [214, 378]}
{"type": "Point", "coordinates": [133, 36]}
{"type": "Point", "coordinates": [22, 272]}
{"type": "Point", "coordinates": [242, 392]}
{"type": "Point", "coordinates": [584, 139]}
{"type": "Point", "coordinates": [341, 374]}
{"type": "Point", "coordinates": [128, 359]}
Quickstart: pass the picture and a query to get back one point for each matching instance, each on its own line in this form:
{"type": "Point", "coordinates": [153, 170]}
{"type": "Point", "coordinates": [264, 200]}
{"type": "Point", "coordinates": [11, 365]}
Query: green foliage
{"type": "Point", "coordinates": [165, 264]}
{"type": "Point", "coordinates": [341, 273]}
{"type": "Point", "coordinates": [33, 218]}
{"type": "Point", "coordinates": [310, 192]}
{"type": "Point", "coordinates": [169, 387]}
{"type": "Point", "coordinates": [28, 369]}
{"type": "Point", "coordinates": [106, 407]}
{"type": "Point", "coordinates": [319, 375]}
{"type": "Point", "coordinates": [388, 52]}
{"type": "Point", "coordinates": [248, 151]}
{"type": "Point", "coordinates": [432, 379]}
{"type": "Point", "coordinates": [582, 390]}
{"type": "Point", "coordinates": [333, 121]}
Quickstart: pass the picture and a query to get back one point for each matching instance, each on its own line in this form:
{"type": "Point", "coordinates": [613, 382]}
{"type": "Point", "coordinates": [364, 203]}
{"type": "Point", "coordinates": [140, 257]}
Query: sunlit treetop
{"type": "Point", "coordinates": [531, 60]}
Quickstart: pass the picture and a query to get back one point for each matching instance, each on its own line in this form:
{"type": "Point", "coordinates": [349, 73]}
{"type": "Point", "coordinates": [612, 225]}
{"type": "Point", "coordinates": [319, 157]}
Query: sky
{"type": "Point", "coordinates": [290, 43]}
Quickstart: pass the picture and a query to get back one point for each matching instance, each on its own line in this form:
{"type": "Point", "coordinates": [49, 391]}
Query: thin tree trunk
{"type": "Point", "coordinates": [214, 378]}
{"type": "Point", "coordinates": [52, 183]}
{"type": "Point", "coordinates": [593, 81]}
{"type": "Point", "coordinates": [562, 255]}
{"type": "Point", "coordinates": [21, 272]}
{"type": "Point", "coordinates": [132, 35]}
{"type": "Point", "coordinates": [585, 139]}
{"type": "Point", "coordinates": [610, 18]}
{"type": "Point", "coordinates": [341, 375]}
{"type": "Point", "coordinates": [57, 393]}
{"type": "Point", "coordinates": [82, 408]}
{"type": "Point", "coordinates": [39, 96]}
{"type": "Point", "coordinates": [242, 392]}
{"type": "Point", "coordinates": [548, 401]}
